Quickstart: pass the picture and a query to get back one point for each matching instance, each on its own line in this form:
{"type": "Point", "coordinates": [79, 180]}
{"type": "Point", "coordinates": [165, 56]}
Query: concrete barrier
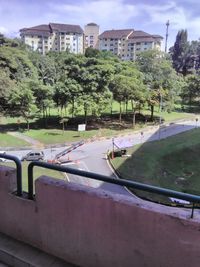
{"type": "Point", "coordinates": [94, 228]}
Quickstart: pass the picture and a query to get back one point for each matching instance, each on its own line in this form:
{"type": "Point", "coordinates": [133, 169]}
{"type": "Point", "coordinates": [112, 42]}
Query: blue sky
{"type": "Point", "coordinates": [147, 15]}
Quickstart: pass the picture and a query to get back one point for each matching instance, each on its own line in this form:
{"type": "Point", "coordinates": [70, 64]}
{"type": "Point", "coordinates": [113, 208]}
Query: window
{"type": "Point", "coordinates": [138, 43]}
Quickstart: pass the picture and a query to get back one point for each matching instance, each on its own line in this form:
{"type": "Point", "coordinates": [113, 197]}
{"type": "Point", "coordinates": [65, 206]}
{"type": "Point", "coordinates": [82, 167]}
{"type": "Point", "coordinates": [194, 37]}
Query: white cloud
{"type": "Point", "coordinates": [180, 16]}
{"type": "Point", "coordinates": [113, 13]}
{"type": "Point", "coordinates": [3, 30]}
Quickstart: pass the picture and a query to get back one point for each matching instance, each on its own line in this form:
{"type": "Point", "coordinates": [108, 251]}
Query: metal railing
{"type": "Point", "coordinates": [131, 184]}
{"type": "Point", "coordinates": [144, 187]}
{"type": "Point", "coordinates": [19, 171]}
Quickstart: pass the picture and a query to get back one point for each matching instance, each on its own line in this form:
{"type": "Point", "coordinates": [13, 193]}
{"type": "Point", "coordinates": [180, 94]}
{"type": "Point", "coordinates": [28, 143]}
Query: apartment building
{"type": "Point", "coordinates": [91, 34]}
{"type": "Point", "coordinates": [127, 43]}
{"type": "Point", "coordinates": [54, 37]}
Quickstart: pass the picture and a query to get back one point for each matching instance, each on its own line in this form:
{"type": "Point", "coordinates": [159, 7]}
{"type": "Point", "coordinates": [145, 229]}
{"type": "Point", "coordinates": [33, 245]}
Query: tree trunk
{"type": "Point", "coordinates": [111, 109]}
{"type": "Point", "coordinates": [63, 127]}
{"type": "Point", "coordinates": [152, 111]}
{"type": "Point", "coordinates": [133, 118]}
{"type": "Point", "coordinates": [139, 109]}
{"type": "Point", "coordinates": [28, 124]}
{"type": "Point", "coordinates": [85, 112]}
{"type": "Point", "coordinates": [126, 107]}
{"type": "Point", "coordinates": [120, 112]}
{"type": "Point", "coordinates": [72, 107]}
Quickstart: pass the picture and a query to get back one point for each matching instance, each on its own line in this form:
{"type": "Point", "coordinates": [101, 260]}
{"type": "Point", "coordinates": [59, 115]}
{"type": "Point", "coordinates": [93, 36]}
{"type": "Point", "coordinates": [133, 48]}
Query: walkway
{"type": "Point", "coordinates": [30, 140]}
{"type": "Point", "coordinates": [16, 253]}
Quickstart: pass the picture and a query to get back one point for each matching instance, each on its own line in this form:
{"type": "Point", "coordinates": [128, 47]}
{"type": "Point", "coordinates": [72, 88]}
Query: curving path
{"type": "Point", "coordinates": [92, 156]}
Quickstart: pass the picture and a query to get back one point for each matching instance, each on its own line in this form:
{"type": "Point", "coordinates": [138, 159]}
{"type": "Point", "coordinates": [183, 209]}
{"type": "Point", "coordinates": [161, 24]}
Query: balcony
{"type": "Point", "coordinates": [94, 227]}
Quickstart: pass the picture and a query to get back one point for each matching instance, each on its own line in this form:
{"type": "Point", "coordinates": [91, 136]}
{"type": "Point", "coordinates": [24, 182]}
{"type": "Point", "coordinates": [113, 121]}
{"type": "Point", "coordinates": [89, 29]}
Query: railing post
{"type": "Point", "coordinates": [19, 171]}
{"type": "Point", "coordinates": [30, 180]}
{"type": "Point", "coordinates": [192, 214]}
{"type": "Point", "coordinates": [19, 178]}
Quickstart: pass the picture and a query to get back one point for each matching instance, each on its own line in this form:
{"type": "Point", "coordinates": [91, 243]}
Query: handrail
{"type": "Point", "coordinates": [135, 185]}
{"type": "Point", "coordinates": [19, 171]}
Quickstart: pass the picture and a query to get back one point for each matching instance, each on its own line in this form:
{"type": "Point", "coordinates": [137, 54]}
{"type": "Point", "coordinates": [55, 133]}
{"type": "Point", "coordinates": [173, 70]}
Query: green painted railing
{"type": "Point", "coordinates": [19, 171]}
{"type": "Point", "coordinates": [194, 199]}
{"type": "Point", "coordinates": [149, 188]}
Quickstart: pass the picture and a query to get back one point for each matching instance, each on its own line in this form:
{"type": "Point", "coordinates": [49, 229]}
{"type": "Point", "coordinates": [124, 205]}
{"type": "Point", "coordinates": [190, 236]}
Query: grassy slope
{"type": "Point", "coordinates": [171, 163]}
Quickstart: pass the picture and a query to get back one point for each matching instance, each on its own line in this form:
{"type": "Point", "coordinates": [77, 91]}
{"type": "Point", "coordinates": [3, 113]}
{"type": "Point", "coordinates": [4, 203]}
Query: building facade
{"type": "Point", "coordinates": [54, 37]}
{"type": "Point", "coordinates": [91, 34]}
{"type": "Point", "coordinates": [127, 43]}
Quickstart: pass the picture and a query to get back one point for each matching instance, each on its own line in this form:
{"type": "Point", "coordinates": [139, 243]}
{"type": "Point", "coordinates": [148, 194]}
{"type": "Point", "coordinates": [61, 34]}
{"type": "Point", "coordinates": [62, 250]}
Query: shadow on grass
{"type": "Point", "coordinates": [106, 121]}
{"type": "Point", "coordinates": [170, 163]}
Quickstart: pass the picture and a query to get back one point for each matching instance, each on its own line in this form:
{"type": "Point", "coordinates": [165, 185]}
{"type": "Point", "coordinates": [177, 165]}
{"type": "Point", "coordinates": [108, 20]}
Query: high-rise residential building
{"type": "Point", "coordinates": [54, 37]}
{"type": "Point", "coordinates": [127, 43]}
{"type": "Point", "coordinates": [91, 34]}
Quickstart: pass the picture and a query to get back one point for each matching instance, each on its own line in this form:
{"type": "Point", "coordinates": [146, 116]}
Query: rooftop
{"type": "Point", "coordinates": [47, 29]}
{"type": "Point", "coordinates": [91, 24]}
{"type": "Point", "coordinates": [65, 28]}
{"type": "Point", "coordinates": [116, 33]}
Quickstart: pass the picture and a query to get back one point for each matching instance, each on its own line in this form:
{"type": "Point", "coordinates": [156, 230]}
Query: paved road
{"type": "Point", "coordinates": [92, 156]}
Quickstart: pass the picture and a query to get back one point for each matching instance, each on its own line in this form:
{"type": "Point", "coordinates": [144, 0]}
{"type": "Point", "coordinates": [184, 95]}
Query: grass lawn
{"type": "Point", "coordinates": [172, 116]}
{"type": "Point", "coordinates": [53, 136]}
{"type": "Point", "coordinates": [7, 140]}
{"type": "Point", "coordinates": [37, 171]}
{"type": "Point", "coordinates": [170, 163]}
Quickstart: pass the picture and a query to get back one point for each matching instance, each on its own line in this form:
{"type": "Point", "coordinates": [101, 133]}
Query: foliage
{"type": "Point", "coordinates": [185, 55]}
{"type": "Point", "coordinates": [164, 85]}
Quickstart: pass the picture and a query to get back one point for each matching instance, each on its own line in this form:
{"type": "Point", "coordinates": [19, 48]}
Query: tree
{"type": "Point", "coordinates": [182, 54]}
{"type": "Point", "coordinates": [45, 67]}
{"type": "Point", "coordinates": [159, 77]}
{"type": "Point", "coordinates": [91, 52]}
{"type": "Point", "coordinates": [22, 102]}
{"type": "Point", "coordinates": [6, 87]}
{"type": "Point", "coordinates": [17, 64]}
{"type": "Point", "coordinates": [191, 90]}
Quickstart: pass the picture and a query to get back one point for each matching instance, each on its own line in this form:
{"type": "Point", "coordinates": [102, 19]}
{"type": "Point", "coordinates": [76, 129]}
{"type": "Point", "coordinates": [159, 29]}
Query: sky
{"type": "Point", "coordinates": [147, 15]}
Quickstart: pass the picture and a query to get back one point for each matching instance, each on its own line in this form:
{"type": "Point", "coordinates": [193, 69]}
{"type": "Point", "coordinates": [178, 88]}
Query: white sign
{"type": "Point", "coordinates": [81, 127]}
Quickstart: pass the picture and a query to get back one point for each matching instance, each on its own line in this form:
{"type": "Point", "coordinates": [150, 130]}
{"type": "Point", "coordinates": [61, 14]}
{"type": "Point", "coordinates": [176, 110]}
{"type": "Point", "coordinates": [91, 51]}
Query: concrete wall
{"type": "Point", "coordinates": [95, 228]}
